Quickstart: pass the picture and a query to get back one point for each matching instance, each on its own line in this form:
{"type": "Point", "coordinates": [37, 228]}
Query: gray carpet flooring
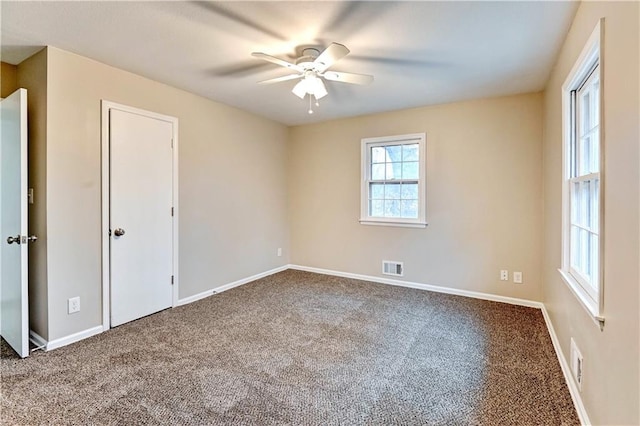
{"type": "Point", "coordinates": [302, 349]}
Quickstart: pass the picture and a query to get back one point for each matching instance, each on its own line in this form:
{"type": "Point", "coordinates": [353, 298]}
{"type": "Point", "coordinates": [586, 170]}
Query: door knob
{"type": "Point", "coordinates": [119, 232]}
{"type": "Point", "coordinates": [12, 240]}
{"type": "Point", "coordinates": [32, 239]}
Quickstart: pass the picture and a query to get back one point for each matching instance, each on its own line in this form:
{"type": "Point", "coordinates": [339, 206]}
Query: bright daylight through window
{"type": "Point", "coordinates": [393, 184]}
{"type": "Point", "coordinates": [582, 184]}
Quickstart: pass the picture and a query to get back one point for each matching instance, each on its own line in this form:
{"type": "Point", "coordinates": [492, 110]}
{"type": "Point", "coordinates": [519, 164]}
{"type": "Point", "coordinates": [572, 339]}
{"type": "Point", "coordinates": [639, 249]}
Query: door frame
{"type": "Point", "coordinates": [106, 179]}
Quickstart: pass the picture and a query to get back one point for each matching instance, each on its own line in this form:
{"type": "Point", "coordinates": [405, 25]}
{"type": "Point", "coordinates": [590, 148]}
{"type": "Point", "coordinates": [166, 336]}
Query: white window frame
{"type": "Point", "coordinates": [366, 145]}
{"type": "Point", "coordinates": [583, 71]}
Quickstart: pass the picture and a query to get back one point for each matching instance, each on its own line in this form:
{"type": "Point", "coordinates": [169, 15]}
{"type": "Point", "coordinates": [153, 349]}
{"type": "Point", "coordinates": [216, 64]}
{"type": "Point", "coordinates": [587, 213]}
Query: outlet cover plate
{"type": "Point", "coordinates": [577, 364]}
{"type": "Point", "coordinates": [73, 305]}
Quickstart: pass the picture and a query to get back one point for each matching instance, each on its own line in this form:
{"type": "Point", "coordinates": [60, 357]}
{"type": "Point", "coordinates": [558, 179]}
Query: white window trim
{"type": "Point", "coordinates": [365, 219]}
{"type": "Point", "coordinates": [592, 52]}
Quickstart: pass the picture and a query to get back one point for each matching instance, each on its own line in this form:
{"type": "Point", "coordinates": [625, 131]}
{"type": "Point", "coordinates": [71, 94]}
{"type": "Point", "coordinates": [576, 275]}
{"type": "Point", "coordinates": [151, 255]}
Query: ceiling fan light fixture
{"type": "Point", "coordinates": [319, 90]}
{"type": "Point", "coordinates": [311, 85]}
{"type": "Point", "coordinates": [300, 89]}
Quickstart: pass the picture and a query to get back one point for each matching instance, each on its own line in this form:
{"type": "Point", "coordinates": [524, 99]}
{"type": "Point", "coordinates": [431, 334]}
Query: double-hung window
{"type": "Point", "coordinates": [582, 195]}
{"type": "Point", "coordinates": [393, 181]}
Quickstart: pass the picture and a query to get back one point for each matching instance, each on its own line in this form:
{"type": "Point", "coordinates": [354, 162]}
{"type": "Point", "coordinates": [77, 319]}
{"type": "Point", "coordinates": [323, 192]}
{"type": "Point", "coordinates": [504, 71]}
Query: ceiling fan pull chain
{"type": "Point", "coordinates": [310, 100]}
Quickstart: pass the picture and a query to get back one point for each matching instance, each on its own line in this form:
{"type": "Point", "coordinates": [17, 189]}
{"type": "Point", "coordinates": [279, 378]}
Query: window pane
{"type": "Point", "coordinates": [575, 187]}
{"type": "Point", "coordinates": [376, 208]}
{"type": "Point", "coordinates": [586, 194]}
{"type": "Point", "coordinates": [595, 206]}
{"type": "Point", "coordinates": [378, 154]}
{"type": "Point", "coordinates": [410, 170]}
{"type": "Point", "coordinates": [394, 171]}
{"type": "Point", "coordinates": [409, 209]}
{"type": "Point", "coordinates": [574, 253]}
{"type": "Point", "coordinates": [585, 155]}
{"type": "Point", "coordinates": [595, 267]}
{"type": "Point", "coordinates": [377, 171]}
{"type": "Point", "coordinates": [595, 151]}
{"type": "Point", "coordinates": [410, 152]}
{"type": "Point", "coordinates": [394, 153]}
{"type": "Point", "coordinates": [595, 102]}
{"type": "Point", "coordinates": [585, 243]}
{"type": "Point", "coordinates": [409, 191]}
{"type": "Point", "coordinates": [585, 111]}
{"type": "Point", "coordinates": [376, 191]}
{"type": "Point", "coordinates": [392, 191]}
{"type": "Point", "coordinates": [392, 208]}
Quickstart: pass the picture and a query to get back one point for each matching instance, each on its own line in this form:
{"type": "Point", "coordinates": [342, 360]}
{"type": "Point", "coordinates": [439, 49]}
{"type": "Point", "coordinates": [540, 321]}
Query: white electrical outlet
{"type": "Point", "coordinates": [279, 252]}
{"type": "Point", "coordinates": [74, 305]}
{"type": "Point", "coordinates": [504, 275]}
{"type": "Point", "coordinates": [577, 364]}
{"type": "Point", "coordinates": [517, 277]}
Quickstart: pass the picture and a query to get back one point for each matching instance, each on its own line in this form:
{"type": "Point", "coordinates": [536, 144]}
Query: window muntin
{"type": "Point", "coordinates": [393, 180]}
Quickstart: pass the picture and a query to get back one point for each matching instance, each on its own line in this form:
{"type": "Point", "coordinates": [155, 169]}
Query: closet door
{"type": "Point", "coordinates": [140, 216]}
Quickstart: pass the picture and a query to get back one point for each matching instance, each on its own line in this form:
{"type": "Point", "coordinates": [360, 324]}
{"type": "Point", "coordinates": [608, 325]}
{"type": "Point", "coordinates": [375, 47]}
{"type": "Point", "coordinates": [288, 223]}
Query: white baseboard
{"type": "Point", "coordinates": [566, 370]}
{"type": "Point", "coordinates": [37, 339]}
{"type": "Point", "coordinates": [420, 286]}
{"type": "Point", "coordinates": [72, 338]}
{"type": "Point", "coordinates": [229, 286]}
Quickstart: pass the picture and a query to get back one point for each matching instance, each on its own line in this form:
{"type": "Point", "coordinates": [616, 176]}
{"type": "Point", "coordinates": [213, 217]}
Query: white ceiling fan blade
{"type": "Point", "coordinates": [347, 77]}
{"type": "Point", "coordinates": [276, 61]}
{"type": "Point", "coordinates": [331, 54]}
{"type": "Point", "coordinates": [283, 78]}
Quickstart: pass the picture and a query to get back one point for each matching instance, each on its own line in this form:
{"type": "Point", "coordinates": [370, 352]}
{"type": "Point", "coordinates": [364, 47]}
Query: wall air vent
{"type": "Point", "coordinates": [392, 268]}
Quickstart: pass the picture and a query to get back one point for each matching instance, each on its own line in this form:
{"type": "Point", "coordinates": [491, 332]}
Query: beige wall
{"type": "Point", "coordinates": [484, 196]}
{"type": "Point", "coordinates": [610, 388]}
{"type": "Point", "coordinates": [8, 79]}
{"type": "Point", "coordinates": [32, 75]}
{"type": "Point", "coordinates": [232, 179]}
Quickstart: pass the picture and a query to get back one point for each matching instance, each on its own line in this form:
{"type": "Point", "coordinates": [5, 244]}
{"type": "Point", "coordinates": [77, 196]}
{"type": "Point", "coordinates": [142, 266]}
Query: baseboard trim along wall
{"type": "Point", "coordinates": [420, 286]}
{"type": "Point", "coordinates": [566, 371]}
{"type": "Point", "coordinates": [229, 286]}
{"type": "Point", "coordinates": [67, 340]}
{"type": "Point", "coordinates": [564, 365]}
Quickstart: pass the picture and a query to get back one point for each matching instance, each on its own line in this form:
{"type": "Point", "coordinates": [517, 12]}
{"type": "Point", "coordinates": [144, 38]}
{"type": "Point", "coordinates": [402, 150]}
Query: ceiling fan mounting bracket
{"type": "Point", "coordinates": [307, 57]}
{"type": "Point", "coordinates": [312, 50]}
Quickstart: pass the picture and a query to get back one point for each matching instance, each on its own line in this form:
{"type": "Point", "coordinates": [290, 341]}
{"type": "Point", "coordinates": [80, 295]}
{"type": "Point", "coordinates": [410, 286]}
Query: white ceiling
{"type": "Point", "coordinates": [421, 53]}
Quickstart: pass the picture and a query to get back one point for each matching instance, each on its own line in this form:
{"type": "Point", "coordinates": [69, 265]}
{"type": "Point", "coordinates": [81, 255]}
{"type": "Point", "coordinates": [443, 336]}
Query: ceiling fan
{"type": "Point", "coordinates": [312, 68]}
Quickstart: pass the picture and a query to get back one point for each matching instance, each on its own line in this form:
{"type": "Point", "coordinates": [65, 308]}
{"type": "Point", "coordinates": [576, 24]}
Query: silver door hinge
{"type": "Point", "coordinates": [171, 279]}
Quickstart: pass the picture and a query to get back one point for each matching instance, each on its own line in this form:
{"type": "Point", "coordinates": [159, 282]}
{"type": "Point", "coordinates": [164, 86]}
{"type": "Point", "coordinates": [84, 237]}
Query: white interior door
{"type": "Point", "coordinates": [14, 301]}
{"type": "Point", "coordinates": [141, 222]}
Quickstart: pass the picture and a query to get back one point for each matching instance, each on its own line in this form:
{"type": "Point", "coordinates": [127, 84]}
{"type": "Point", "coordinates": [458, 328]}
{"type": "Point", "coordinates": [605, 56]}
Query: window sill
{"type": "Point", "coordinates": [376, 222]}
{"type": "Point", "coordinates": [586, 302]}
